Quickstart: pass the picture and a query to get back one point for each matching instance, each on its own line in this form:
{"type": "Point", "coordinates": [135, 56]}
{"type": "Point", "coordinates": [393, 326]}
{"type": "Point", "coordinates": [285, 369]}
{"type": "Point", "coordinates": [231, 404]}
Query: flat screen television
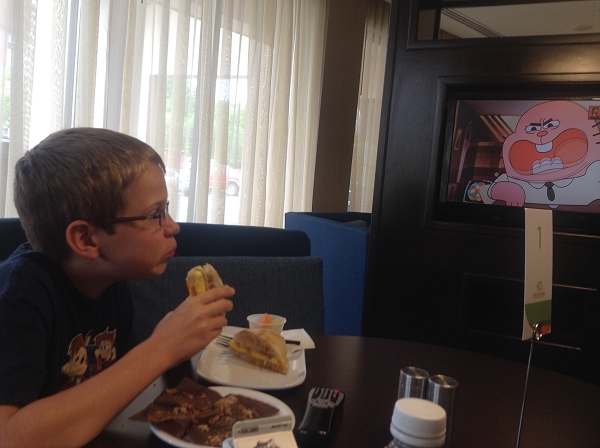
{"type": "Point", "coordinates": [504, 149]}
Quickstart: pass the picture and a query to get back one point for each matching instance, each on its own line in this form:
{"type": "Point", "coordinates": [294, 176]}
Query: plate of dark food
{"type": "Point", "coordinates": [193, 416]}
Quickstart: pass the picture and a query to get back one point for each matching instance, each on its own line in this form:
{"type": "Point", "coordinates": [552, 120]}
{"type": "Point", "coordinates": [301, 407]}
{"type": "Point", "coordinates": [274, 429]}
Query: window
{"type": "Point", "coordinates": [227, 93]}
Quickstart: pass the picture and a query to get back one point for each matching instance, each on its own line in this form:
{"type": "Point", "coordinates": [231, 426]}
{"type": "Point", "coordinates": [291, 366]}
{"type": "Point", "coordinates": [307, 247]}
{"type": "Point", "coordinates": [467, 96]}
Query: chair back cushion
{"type": "Point", "coordinates": [287, 286]}
{"type": "Point", "coordinates": [225, 240]}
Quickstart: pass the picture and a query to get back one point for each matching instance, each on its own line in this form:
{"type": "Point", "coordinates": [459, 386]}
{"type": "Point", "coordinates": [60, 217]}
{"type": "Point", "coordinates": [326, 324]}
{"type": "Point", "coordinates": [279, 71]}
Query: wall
{"type": "Point", "coordinates": [341, 79]}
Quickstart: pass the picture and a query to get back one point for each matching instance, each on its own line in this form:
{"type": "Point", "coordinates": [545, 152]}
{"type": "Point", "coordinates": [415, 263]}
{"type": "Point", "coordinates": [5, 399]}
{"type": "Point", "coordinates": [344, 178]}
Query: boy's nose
{"type": "Point", "coordinates": [171, 227]}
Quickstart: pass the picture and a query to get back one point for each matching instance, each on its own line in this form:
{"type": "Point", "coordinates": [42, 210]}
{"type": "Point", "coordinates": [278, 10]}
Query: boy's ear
{"type": "Point", "coordinates": [81, 237]}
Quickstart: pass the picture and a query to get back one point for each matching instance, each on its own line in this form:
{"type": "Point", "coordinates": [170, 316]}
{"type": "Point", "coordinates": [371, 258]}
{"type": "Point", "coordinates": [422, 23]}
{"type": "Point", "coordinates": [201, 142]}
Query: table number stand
{"type": "Point", "coordinates": [536, 336]}
{"type": "Point", "coordinates": [537, 309]}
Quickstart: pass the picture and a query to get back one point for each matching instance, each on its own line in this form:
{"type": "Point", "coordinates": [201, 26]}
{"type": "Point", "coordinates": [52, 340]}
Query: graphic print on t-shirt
{"type": "Point", "coordinates": [87, 359]}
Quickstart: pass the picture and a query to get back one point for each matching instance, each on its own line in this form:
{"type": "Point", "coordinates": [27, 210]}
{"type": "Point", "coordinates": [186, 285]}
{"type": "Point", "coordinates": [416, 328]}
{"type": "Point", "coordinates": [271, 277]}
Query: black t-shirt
{"type": "Point", "coordinates": [51, 336]}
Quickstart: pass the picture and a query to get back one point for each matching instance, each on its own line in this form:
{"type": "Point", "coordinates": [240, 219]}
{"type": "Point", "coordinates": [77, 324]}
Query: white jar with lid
{"type": "Point", "coordinates": [417, 422]}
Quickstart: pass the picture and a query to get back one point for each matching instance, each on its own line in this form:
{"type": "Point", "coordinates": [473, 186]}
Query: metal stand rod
{"type": "Point", "coordinates": [537, 334]}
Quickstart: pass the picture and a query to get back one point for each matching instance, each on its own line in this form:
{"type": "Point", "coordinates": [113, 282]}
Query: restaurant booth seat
{"type": "Point", "coordinates": [11, 236]}
{"type": "Point", "coordinates": [341, 240]}
{"type": "Point", "coordinates": [271, 270]}
{"type": "Point", "coordinates": [286, 286]}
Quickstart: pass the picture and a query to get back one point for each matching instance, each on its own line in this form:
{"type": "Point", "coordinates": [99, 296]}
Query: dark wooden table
{"type": "Point", "coordinates": [560, 411]}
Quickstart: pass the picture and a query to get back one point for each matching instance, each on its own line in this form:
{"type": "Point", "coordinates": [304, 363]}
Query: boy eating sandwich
{"type": "Point", "coordinates": [94, 206]}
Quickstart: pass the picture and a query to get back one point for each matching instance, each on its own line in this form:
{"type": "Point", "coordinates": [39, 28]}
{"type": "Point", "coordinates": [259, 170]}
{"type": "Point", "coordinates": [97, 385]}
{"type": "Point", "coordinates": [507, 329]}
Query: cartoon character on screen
{"type": "Point", "coordinates": [552, 158]}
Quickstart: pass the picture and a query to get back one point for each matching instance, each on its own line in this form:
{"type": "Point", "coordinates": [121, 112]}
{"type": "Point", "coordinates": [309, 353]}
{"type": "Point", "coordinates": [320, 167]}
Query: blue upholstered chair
{"type": "Point", "coordinates": [270, 268]}
{"type": "Point", "coordinates": [236, 240]}
{"type": "Point", "coordinates": [200, 239]}
{"type": "Point", "coordinates": [341, 240]}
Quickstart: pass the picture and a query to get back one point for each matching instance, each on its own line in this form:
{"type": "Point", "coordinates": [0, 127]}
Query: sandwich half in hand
{"type": "Point", "coordinates": [202, 278]}
{"type": "Point", "coordinates": [261, 347]}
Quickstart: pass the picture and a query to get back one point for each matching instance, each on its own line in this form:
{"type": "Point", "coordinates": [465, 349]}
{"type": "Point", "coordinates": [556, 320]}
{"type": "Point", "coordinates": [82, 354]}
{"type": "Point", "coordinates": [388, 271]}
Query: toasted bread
{"type": "Point", "coordinates": [261, 347]}
{"type": "Point", "coordinates": [202, 278]}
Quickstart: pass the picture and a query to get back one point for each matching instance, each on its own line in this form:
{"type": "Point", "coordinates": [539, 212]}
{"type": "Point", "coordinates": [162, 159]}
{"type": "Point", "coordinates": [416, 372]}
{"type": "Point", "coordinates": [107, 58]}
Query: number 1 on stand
{"type": "Point", "coordinates": [537, 307]}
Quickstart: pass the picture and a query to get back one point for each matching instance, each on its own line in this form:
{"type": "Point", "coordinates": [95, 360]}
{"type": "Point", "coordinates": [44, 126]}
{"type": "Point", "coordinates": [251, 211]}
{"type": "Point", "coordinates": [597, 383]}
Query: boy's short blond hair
{"type": "Point", "coordinates": [78, 173]}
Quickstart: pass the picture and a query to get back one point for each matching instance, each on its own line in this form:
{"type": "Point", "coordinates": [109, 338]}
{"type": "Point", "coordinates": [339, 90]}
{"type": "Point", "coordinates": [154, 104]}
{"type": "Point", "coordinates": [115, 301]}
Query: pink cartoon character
{"type": "Point", "coordinates": [552, 158]}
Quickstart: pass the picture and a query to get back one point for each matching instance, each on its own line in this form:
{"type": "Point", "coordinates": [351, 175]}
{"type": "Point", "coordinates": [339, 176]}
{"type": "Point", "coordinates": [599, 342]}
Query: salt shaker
{"type": "Point", "coordinates": [413, 382]}
{"type": "Point", "coordinates": [442, 390]}
{"type": "Point", "coordinates": [417, 423]}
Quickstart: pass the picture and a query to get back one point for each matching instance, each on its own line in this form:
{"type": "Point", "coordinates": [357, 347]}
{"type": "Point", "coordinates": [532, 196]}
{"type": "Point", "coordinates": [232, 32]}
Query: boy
{"type": "Point", "coordinates": [93, 204]}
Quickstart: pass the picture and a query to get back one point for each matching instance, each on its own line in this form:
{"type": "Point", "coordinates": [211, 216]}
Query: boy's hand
{"type": "Point", "coordinates": [191, 326]}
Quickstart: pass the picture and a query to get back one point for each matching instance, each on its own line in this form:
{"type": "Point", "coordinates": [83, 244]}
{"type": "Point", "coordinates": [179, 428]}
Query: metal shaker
{"type": "Point", "coordinates": [413, 382]}
{"type": "Point", "coordinates": [441, 389]}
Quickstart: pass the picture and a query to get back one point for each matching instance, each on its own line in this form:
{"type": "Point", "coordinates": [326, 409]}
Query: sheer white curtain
{"type": "Point", "coordinates": [228, 91]}
{"type": "Point", "coordinates": [366, 134]}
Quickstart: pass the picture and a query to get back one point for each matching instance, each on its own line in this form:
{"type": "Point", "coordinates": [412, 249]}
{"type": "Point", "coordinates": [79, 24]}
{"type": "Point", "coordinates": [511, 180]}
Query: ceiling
{"type": "Point", "coordinates": [533, 19]}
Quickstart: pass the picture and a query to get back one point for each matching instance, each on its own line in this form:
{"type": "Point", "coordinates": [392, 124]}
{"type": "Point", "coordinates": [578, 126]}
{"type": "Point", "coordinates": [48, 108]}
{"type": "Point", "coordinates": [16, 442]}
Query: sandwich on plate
{"type": "Point", "coordinates": [261, 347]}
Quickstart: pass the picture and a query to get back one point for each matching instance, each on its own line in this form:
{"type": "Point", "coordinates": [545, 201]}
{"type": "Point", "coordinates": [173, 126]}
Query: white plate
{"type": "Point", "coordinates": [283, 410]}
{"type": "Point", "coordinates": [219, 366]}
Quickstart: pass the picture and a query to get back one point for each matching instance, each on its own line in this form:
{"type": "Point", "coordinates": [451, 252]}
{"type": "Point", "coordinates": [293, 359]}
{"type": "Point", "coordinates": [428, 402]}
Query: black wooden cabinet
{"type": "Point", "coordinates": [457, 278]}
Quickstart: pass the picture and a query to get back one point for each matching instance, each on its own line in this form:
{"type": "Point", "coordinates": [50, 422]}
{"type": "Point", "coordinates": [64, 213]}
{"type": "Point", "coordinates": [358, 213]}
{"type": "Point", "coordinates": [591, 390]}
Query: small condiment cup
{"type": "Point", "coordinates": [276, 325]}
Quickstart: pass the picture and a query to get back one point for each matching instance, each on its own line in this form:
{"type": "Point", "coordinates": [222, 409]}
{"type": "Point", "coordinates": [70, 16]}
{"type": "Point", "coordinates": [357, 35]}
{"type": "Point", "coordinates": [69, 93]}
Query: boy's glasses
{"type": "Point", "coordinates": [161, 215]}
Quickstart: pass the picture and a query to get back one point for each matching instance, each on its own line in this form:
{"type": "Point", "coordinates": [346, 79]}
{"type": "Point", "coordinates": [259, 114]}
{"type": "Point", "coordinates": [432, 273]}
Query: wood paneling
{"type": "Point", "coordinates": [443, 282]}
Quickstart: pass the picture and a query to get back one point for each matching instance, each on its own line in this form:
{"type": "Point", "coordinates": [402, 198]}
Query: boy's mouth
{"type": "Point", "coordinates": [171, 254]}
